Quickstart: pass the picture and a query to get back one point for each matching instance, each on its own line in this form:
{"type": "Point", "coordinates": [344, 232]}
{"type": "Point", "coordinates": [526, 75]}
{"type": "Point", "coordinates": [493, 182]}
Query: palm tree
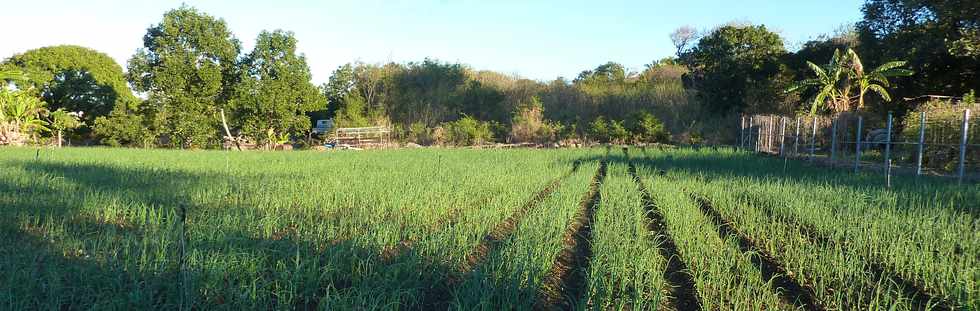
{"type": "Point", "coordinates": [876, 80]}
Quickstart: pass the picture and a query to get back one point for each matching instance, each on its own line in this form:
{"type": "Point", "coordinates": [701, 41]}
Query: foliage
{"type": "Point", "coordinates": [187, 67]}
{"type": "Point", "coordinates": [618, 132]}
{"type": "Point", "coordinates": [732, 62]}
{"type": "Point", "coordinates": [74, 78]}
{"type": "Point", "coordinates": [834, 81]}
{"type": "Point", "coordinates": [124, 128]}
{"type": "Point", "coordinates": [466, 131]}
{"type": "Point", "coordinates": [21, 117]}
{"type": "Point", "coordinates": [275, 92]}
{"type": "Point", "coordinates": [935, 37]}
{"type": "Point", "coordinates": [599, 130]}
{"type": "Point", "coordinates": [64, 121]}
{"type": "Point", "coordinates": [944, 121]}
{"type": "Point", "coordinates": [529, 124]}
{"type": "Point", "coordinates": [645, 127]}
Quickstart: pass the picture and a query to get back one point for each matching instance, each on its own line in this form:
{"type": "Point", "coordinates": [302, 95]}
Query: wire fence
{"type": "Point", "coordinates": [939, 142]}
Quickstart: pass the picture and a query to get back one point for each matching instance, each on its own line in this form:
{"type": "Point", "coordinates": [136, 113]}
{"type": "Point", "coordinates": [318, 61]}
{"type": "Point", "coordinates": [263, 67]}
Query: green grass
{"type": "Point", "coordinates": [96, 228]}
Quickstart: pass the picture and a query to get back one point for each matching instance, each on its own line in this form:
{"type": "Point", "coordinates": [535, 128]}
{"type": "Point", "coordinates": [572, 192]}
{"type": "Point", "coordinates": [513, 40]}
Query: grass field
{"type": "Point", "coordinates": [607, 229]}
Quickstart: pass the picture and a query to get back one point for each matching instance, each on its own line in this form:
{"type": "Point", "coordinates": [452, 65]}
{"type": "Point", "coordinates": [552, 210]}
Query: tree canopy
{"type": "Point", "coordinates": [732, 63]}
{"type": "Point", "coordinates": [75, 78]}
{"type": "Point", "coordinates": [187, 67]}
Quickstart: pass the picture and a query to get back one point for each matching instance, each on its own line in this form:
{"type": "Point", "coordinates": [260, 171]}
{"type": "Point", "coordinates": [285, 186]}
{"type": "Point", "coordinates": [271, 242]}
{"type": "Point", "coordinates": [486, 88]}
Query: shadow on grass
{"type": "Point", "coordinates": [81, 236]}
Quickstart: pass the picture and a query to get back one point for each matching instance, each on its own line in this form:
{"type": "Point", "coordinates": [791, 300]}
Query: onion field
{"type": "Point", "coordinates": [477, 229]}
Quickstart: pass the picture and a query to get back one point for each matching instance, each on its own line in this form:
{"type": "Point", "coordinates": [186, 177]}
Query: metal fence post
{"type": "Point", "coordinates": [857, 146]}
{"type": "Point", "coordinates": [922, 142]}
{"type": "Point", "coordinates": [963, 141]}
{"type": "Point", "coordinates": [833, 139]}
{"type": "Point", "coordinates": [796, 138]}
{"type": "Point", "coordinates": [813, 138]}
{"type": "Point", "coordinates": [782, 135]}
{"type": "Point", "coordinates": [888, 143]}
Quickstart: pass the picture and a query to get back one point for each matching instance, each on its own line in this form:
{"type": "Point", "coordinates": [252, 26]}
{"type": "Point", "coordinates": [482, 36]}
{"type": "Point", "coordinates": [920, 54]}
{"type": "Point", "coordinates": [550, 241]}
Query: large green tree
{"type": "Point", "coordinates": [75, 78]}
{"type": "Point", "coordinates": [737, 66]}
{"type": "Point", "coordinates": [275, 91]}
{"type": "Point", "coordinates": [938, 39]}
{"type": "Point", "coordinates": [187, 68]}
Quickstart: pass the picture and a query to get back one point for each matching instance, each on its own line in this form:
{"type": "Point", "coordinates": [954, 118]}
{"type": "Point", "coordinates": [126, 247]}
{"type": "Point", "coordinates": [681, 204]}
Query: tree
{"type": "Point", "coordinates": [352, 112]}
{"type": "Point", "coordinates": [75, 78]}
{"type": "Point", "coordinates": [528, 124]}
{"type": "Point", "coordinates": [935, 37]}
{"type": "Point", "coordinates": [188, 69]}
{"type": "Point", "coordinates": [734, 61]}
{"type": "Point", "coordinates": [341, 84]}
{"type": "Point", "coordinates": [682, 37]}
{"type": "Point", "coordinates": [63, 121]}
{"type": "Point", "coordinates": [275, 92]}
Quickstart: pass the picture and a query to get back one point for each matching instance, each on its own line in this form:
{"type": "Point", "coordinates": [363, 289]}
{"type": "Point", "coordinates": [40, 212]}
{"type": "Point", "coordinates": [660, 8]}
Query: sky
{"type": "Point", "coordinates": [535, 39]}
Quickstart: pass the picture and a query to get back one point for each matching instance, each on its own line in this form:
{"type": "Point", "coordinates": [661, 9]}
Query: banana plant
{"type": "Point", "coordinates": [835, 80]}
{"type": "Point", "coordinates": [20, 115]}
{"type": "Point", "coordinates": [831, 82]}
{"type": "Point", "coordinates": [876, 80]}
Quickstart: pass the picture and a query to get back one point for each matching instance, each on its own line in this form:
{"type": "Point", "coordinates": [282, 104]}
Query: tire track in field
{"type": "Point", "coordinates": [921, 298]}
{"type": "Point", "coordinates": [566, 282]}
{"type": "Point", "coordinates": [439, 295]}
{"type": "Point", "coordinates": [682, 288]}
{"type": "Point", "coordinates": [789, 289]}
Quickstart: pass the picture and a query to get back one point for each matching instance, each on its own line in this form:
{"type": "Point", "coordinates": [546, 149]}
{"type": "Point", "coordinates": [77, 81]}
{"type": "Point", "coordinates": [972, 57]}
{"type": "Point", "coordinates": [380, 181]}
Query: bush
{"type": "Point", "coordinates": [528, 124]}
{"type": "Point", "coordinates": [647, 128]}
{"type": "Point", "coordinates": [122, 128]}
{"type": "Point", "coordinates": [418, 133]}
{"type": "Point", "coordinates": [944, 121]}
{"type": "Point", "coordinates": [467, 131]}
{"type": "Point", "coordinates": [599, 130]}
{"type": "Point", "coordinates": [618, 133]}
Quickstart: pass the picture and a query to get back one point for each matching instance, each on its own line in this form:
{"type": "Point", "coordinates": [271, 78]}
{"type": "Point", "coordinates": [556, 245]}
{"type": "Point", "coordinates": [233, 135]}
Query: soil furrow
{"type": "Point", "coordinates": [921, 298]}
{"type": "Point", "coordinates": [683, 291]}
{"type": "Point", "coordinates": [566, 283]}
{"type": "Point", "coordinates": [439, 295]}
{"type": "Point", "coordinates": [788, 288]}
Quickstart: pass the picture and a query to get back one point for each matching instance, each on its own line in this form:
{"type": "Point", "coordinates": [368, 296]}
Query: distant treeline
{"type": "Point", "coordinates": [192, 70]}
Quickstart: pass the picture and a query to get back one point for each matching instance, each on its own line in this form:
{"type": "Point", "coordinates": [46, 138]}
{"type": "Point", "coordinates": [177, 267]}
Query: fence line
{"type": "Point", "coordinates": [948, 144]}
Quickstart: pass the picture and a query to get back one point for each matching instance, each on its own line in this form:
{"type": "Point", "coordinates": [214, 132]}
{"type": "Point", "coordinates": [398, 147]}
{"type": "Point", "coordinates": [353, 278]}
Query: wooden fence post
{"type": "Point", "coordinates": [796, 138]}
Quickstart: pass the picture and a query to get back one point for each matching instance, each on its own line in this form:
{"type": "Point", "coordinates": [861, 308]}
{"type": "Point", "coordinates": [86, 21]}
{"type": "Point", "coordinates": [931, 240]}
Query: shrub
{"type": "Point", "coordinates": [617, 132]}
{"type": "Point", "coordinates": [647, 128]}
{"type": "Point", "coordinates": [599, 130]}
{"type": "Point", "coordinates": [467, 131]}
{"type": "Point", "coordinates": [529, 125]}
{"type": "Point", "coordinates": [944, 121]}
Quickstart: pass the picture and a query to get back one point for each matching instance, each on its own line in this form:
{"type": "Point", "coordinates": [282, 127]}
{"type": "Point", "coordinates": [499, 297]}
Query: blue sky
{"type": "Point", "coordinates": [532, 38]}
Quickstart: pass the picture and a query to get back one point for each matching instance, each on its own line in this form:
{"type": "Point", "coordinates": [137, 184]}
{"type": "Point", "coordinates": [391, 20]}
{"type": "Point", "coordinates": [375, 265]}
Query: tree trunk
{"type": "Point", "coordinates": [59, 138]}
